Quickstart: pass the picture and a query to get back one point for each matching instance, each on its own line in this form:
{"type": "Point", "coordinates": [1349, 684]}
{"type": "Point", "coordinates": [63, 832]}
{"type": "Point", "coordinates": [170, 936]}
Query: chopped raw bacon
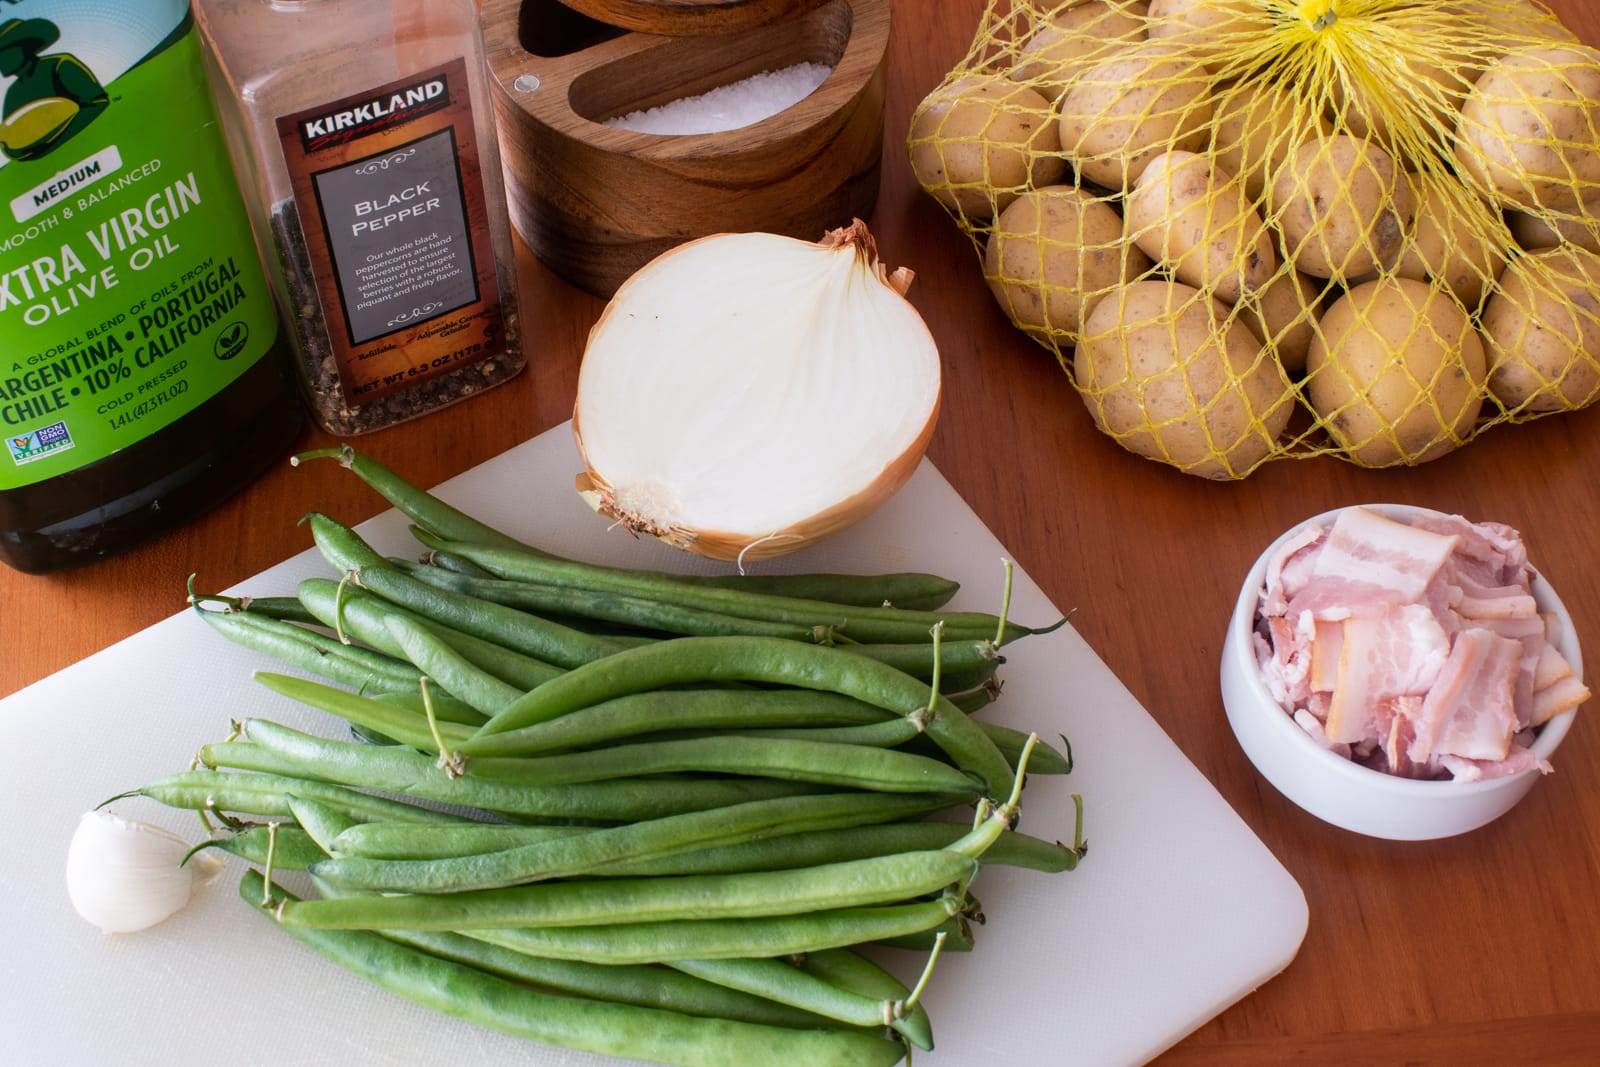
{"type": "Point", "coordinates": [1313, 726]}
{"type": "Point", "coordinates": [1553, 667]}
{"type": "Point", "coordinates": [1366, 549]}
{"type": "Point", "coordinates": [1399, 654]}
{"type": "Point", "coordinates": [1416, 649]}
{"type": "Point", "coordinates": [1471, 770]}
{"type": "Point", "coordinates": [1469, 711]}
{"type": "Point", "coordinates": [1290, 570]}
{"type": "Point", "coordinates": [1564, 695]}
{"type": "Point", "coordinates": [1326, 646]}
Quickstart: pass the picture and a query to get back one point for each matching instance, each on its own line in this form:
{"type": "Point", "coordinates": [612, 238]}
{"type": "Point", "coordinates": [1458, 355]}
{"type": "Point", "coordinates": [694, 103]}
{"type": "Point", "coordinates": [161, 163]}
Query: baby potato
{"type": "Point", "coordinates": [1082, 33]}
{"type": "Point", "coordinates": [1257, 131]}
{"type": "Point", "coordinates": [1507, 25]}
{"type": "Point", "coordinates": [1581, 228]}
{"type": "Point", "coordinates": [1285, 316]}
{"type": "Point", "coordinates": [1196, 218]}
{"type": "Point", "coordinates": [1343, 206]}
{"type": "Point", "coordinates": [1543, 331]}
{"type": "Point", "coordinates": [1429, 93]}
{"type": "Point", "coordinates": [1053, 252]}
{"type": "Point", "coordinates": [1211, 28]}
{"type": "Point", "coordinates": [1123, 111]}
{"type": "Point", "coordinates": [1447, 245]}
{"type": "Point", "coordinates": [977, 144]}
{"type": "Point", "coordinates": [1396, 372]}
{"type": "Point", "coordinates": [1163, 372]}
{"type": "Point", "coordinates": [1529, 132]}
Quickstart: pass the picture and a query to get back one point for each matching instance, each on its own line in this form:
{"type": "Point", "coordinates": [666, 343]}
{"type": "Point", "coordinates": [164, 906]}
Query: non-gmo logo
{"type": "Point", "coordinates": [37, 444]}
{"type": "Point", "coordinates": [230, 342]}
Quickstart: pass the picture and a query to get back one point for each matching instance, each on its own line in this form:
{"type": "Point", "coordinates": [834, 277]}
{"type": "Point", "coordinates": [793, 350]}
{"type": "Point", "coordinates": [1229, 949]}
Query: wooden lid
{"type": "Point", "coordinates": [690, 18]}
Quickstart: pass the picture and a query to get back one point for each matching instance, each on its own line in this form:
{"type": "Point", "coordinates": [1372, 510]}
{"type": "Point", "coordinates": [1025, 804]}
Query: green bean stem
{"type": "Point", "coordinates": [573, 1022]}
{"type": "Point", "coordinates": [692, 660]}
{"type": "Point", "coordinates": [583, 853]}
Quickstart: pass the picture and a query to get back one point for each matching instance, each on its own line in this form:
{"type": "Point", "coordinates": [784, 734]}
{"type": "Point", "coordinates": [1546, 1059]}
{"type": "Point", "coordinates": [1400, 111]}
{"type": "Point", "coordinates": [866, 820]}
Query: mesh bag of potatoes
{"type": "Point", "coordinates": [1253, 229]}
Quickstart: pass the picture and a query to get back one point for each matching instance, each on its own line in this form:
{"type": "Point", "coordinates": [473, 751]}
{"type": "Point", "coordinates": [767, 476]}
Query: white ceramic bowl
{"type": "Point", "coordinates": [1347, 794]}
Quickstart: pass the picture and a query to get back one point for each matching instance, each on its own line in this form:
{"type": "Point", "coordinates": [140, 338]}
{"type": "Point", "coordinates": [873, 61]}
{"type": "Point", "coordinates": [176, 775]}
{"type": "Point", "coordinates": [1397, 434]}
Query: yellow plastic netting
{"type": "Point", "coordinates": [1252, 229]}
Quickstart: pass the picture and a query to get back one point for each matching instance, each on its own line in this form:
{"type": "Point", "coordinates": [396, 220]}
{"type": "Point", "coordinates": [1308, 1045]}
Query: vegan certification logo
{"type": "Point", "coordinates": [52, 95]}
{"type": "Point", "coordinates": [37, 444]}
{"type": "Point", "coordinates": [230, 342]}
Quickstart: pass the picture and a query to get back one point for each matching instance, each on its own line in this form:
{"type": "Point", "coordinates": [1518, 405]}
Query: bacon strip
{"type": "Point", "coordinates": [1469, 710]}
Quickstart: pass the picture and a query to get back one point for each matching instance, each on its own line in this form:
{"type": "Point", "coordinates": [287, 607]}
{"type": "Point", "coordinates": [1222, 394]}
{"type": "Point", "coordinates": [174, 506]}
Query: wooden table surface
{"type": "Point", "coordinates": [1483, 949]}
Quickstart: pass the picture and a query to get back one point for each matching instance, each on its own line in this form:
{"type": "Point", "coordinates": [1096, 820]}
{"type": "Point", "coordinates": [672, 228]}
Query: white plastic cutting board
{"type": "Point", "coordinates": [1177, 912]}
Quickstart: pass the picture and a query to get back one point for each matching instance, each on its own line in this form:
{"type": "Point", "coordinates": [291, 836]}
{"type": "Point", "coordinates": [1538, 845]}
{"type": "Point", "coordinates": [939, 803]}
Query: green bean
{"type": "Point", "coordinates": [423, 507]}
{"type": "Point", "coordinates": [892, 732]}
{"type": "Point", "coordinates": [961, 658]}
{"type": "Point", "coordinates": [957, 937]}
{"type": "Point", "coordinates": [362, 615]}
{"type": "Point", "coordinates": [680, 709]}
{"type": "Point", "coordinates": [915, 592]}
{"type": "Point", "coordinates": [580, 854]}
{"type": "Point", "coordinates": [282, 608]}
{"type": "Point", "coordinates": [692, 660]}
{"type": "Point", "coordinates": [842, 765]}
{"type": "Point", "coordinates": [608, 607]}
{"type": "Point", "coordinates": [267, 795]}
{"type": "Point", "coordinates": [815, 847]}
{"type": "Point", "coordinates": [455, 565]}
{"type": "Point", "coordinates": [778, 935]}
{"type": "Point", "coordinates": [321, 822]}
{"type": "Point", "coordinates": [572, 1022]}
{"type": "Point", "coordinates": [846, 969]}
{"type": "Point", "coordinates": [379, 716]}
{"type": "Point", "coordinates": [643, 985]}
{"type": "Point", "coordinates": [393, 841]}
{"type": "Point", "coordinates": [621, 901]}
{"type": "Point", "coordinates": [477, 688]}
{"type": "Point", "coordinates": [408, 773]}
{"type": "Point", "coordinates": [976, 699]}
{"type": "Point", "coordinates": [293, 851]}
{"type": "Point", "coordinates": [533, 636]}
{"type": "Point", "coordinates": [864, 624]}
{"type": "Point", "coordinates": [786, 984]}
{"type": "Point", "coordinates": [310, 653]}
{"type": "Point", "coordinates": [428, 511]}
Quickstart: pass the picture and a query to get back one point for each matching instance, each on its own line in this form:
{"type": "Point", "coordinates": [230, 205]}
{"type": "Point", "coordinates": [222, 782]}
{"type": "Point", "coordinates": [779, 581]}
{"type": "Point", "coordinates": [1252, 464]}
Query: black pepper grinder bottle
{"type": "Point", "coordinates": [144, 376]}
{"type": "Point", "coordinates": [372, 136]}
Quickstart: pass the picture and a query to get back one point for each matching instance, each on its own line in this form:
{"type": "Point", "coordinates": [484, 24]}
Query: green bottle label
{"type": "Point", "coordinates": [130, 292]}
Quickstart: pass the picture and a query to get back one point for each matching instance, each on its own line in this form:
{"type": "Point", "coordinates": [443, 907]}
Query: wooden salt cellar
{"type": "Point", "coordinates": [596, 203]}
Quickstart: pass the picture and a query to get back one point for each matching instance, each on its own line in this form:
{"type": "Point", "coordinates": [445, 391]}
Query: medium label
{"type": "Point", "coordinates": [391, 203]}
{"type": "Point", "coordinates": [130, 292]}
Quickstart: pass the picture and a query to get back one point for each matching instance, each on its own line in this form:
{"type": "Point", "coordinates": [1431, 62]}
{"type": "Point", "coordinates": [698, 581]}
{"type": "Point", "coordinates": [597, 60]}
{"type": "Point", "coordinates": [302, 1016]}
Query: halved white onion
{"type": "Point", "coordinates": [746, 394]}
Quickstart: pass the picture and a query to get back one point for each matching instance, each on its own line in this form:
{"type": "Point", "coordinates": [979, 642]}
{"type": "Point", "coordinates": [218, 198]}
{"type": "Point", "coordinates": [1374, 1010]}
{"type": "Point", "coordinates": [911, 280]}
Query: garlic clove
{"type": "Point", "coordinates": [125, 876]}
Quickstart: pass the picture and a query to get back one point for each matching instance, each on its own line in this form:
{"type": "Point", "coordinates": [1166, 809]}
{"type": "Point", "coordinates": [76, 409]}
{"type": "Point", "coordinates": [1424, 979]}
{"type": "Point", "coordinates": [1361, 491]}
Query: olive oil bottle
{"type": "Point", "coordinates": [144, 375]}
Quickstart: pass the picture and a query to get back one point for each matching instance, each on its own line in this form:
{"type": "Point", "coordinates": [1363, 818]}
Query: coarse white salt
{"type": "Point", "coordinates": [728, 107]}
